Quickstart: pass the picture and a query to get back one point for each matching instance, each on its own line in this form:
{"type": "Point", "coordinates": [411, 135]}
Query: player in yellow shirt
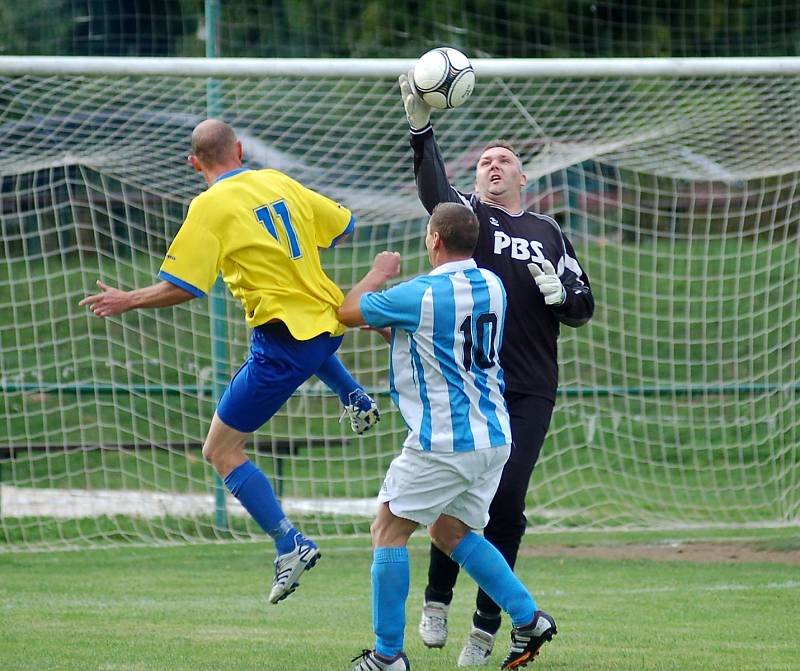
{"type": "Point", "coordinates": [262, 231]}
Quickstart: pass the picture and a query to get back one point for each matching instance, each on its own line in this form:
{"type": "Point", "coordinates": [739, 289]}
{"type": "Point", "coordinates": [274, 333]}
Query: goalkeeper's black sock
{"type": "Point", "coordinates": [440, 597]}
{"type": "Point", "coordinates": [488, 622]}
{"type": "Point", "coordinates": [442, 576]}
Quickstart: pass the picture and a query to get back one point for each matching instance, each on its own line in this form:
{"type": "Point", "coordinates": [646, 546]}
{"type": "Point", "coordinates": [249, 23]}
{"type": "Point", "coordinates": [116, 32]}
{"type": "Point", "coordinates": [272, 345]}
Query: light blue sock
{"type": "Point", "coordinates": [487, 567]}
{"type": "Point", "coordinates": [333, 373]}
{"type": "Point", "coordinates": [251, 487]}
{"type": "Point", "coordinates": [390, 580]}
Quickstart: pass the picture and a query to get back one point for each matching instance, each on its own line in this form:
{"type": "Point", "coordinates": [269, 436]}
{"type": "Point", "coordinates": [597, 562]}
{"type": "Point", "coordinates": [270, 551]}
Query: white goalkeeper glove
{"type": "Point", "coordinates": [548, 282]}
{"type": "Point", "coordinates": [418, 112]}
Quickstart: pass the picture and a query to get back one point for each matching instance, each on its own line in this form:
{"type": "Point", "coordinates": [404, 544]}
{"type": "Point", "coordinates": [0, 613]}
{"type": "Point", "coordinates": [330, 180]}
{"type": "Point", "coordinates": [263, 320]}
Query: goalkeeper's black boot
{"type": "Point", "coordinates": [528, 638]}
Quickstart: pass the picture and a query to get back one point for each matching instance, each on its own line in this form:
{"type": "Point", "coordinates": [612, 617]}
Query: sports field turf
{"type": "Point", "coordinates": [205, 607]}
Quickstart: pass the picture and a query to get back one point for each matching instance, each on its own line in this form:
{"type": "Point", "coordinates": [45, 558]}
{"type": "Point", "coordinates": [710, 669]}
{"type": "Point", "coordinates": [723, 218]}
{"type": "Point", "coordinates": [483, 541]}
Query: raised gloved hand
{"type": "Point", "coordinates": [548, 282]}
{"type": "Point", "coordinates": [418, 112]}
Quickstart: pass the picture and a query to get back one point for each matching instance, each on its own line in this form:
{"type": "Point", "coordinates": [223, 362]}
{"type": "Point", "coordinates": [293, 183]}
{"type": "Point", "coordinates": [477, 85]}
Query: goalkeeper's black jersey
{"type": "Point", "coordinates": [506, 244]}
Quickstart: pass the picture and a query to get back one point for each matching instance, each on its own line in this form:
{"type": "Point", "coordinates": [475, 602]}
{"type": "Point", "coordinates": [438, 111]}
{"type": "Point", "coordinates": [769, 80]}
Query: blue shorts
{"type": "Point", "coordinates": [278, 364]}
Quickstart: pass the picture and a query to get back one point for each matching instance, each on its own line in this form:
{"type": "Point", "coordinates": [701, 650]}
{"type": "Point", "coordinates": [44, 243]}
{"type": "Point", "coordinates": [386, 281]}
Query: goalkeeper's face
{"type": "Point", "coordinates": [499, 176]}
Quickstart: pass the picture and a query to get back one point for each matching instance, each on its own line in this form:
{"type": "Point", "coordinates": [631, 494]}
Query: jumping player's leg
{"type": "Point", "coordinates": [358, 405]}
{"type": "Point", "coordinates": [278, 364]}
{"type": "Point", "coordinates": [224, 449]}
{"type": "Point", "coordinates": [333, 373]}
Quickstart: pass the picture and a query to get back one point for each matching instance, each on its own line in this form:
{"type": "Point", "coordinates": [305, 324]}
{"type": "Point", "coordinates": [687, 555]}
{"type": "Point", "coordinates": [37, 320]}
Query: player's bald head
{"type": "Point", "coordinates": [214, 142]}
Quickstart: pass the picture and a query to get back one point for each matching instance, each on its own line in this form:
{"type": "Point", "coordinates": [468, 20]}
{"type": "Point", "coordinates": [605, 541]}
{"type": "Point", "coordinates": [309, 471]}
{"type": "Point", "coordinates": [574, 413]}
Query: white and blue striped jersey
{"type": "Point", "coordinates": [447, 328]}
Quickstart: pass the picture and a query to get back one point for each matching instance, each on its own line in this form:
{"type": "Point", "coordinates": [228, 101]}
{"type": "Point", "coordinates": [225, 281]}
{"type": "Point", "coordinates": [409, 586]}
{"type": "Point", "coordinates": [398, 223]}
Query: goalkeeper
{"type": "Point", "coordinates": [546, 287]}
{"type": "Point", "coordinates": [262, 231]}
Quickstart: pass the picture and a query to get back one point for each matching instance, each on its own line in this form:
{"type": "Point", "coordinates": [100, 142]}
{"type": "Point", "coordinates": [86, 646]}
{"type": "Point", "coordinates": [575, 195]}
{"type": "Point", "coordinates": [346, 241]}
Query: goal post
{"type": "Point", "coordinates": [675, 179]}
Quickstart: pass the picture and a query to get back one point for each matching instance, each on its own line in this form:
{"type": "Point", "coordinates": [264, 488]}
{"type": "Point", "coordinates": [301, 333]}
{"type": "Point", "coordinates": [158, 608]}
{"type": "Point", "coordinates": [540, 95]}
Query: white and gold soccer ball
{"type": "Point", "coordinates": [444, 77]}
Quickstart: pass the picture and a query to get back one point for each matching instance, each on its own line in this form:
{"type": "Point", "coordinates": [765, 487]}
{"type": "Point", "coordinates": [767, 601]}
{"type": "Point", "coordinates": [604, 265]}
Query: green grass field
{"type": "Point", "coordinates": [205, 607]}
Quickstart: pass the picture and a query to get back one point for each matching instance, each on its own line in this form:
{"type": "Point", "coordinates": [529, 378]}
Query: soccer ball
{"type": "Point", "coordinates": [444, 77]}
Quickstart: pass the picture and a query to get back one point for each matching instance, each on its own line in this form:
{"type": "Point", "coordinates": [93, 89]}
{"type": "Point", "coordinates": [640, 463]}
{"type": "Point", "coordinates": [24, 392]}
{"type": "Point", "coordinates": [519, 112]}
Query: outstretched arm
{"type": "Point", "coordinates": [385, 266]}
{"type": "Point", "coordinates": [430, 173]}
{"type": "Point", "coordinates": [110, 301]}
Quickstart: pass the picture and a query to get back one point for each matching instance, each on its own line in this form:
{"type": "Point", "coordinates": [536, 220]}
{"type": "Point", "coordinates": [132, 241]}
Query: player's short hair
{"type": "Point", "coordinates": [457, 225]}
{"type": "Point", "coordinates": [504, 145]}
{"type": "Point", "coordinates": [213, 141]}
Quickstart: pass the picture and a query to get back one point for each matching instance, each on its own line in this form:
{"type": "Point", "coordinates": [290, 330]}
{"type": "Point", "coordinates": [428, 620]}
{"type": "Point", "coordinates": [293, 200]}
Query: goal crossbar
{"type": "Point", "coordinates": [388, 67]}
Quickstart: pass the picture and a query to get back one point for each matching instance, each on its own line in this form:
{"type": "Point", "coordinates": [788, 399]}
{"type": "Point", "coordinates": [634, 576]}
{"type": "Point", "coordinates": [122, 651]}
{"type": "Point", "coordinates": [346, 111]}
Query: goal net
{"type": "Point", "coordinates": [677, 182]}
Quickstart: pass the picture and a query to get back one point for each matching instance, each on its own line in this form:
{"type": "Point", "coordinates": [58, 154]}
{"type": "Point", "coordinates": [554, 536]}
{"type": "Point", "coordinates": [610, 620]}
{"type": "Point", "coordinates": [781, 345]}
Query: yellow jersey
{"type": "Point", "coordinates": [263, 230]}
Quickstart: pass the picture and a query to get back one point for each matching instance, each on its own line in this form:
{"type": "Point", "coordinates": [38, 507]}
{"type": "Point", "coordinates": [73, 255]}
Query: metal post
{"type": "Point", "coordinates": [219, 326]}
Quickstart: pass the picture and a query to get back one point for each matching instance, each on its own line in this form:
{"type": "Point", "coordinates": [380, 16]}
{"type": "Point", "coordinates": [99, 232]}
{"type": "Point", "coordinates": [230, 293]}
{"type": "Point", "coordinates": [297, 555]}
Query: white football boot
{"type": "Point", "coordinates": [433, 624]}
{"type": "Point", "coordinates": [290, 566]}
{"type": "Point", "coordinates": [477, 651]}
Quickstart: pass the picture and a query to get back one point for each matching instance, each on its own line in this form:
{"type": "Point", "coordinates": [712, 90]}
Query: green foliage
{"type": "Point", "coordinates": [405, 28]}
{"type": "Point", "coordinates": [34, 26]}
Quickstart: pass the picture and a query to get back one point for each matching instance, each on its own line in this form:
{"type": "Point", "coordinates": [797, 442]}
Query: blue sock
{"type": "Point", "coordinates": [390, 580]}
{"type": "Point", "coordinates": [487, 567]}
{"type": "Point", "coordinates": [251, 487]}
{"type": "Point", "coordinates": [333, 373]}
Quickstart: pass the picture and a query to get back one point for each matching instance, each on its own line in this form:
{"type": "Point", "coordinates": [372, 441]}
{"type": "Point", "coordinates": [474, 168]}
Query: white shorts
{"type": "Point", "coordinates": [419, 486]}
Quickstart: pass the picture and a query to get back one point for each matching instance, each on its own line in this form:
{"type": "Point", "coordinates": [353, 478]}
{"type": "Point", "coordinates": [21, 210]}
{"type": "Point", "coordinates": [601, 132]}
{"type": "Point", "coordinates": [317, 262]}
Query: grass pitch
{"type": "Point", "coordinates": [205, 607]}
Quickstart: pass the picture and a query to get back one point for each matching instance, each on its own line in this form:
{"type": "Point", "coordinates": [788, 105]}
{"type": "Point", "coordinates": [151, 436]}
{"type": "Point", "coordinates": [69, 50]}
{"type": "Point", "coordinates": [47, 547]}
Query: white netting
{"type": "Point", "coordinates": [679, 401]}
